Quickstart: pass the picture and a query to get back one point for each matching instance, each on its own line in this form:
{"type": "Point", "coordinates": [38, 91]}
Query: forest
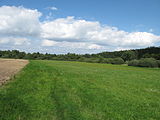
{"type": "Point", "coordinates": [134, 57]}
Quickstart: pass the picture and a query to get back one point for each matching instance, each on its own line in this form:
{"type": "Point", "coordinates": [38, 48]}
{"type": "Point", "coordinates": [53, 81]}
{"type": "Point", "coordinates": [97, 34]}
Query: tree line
{"type": "Point", "coordinates": [115, 57]}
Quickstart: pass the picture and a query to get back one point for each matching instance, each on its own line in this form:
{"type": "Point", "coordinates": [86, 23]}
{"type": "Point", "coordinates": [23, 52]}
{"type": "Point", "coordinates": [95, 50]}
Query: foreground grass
{"type": "Point", "coordinates": [54, 90]}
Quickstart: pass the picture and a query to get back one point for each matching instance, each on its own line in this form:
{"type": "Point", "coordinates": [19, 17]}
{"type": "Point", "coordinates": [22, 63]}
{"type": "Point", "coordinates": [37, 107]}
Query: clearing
{"type": "Point", "coordinates": [58, 90]}
{"type": "Point", "coordinates": [9, 67]}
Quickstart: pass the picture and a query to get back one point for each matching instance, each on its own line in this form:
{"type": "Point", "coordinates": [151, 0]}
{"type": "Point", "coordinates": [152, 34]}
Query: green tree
{"type": "Point", "coordinates": [128, 55]}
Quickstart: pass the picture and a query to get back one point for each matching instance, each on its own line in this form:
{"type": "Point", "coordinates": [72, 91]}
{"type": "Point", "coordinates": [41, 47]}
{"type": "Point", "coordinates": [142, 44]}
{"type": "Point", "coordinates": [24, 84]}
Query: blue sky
{"type": "Point", "coordinates": [138, 18]}
{"type": "Point", "coordinates": [129, 15]}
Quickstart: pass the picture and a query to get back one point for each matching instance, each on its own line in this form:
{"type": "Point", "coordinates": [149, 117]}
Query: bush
{"type": "Point", "coordinates": [91, 60]}
{"type": "Point", "coordinates": [108, 60]}
{"type": "Point", "coordinates": [81, 59]}
{"type": "Point", "coordinates": [117, 61]}
{"type": "Point", "coordinates": [100, 60]}
{"type": "Point", "coordinates": [158, 62]}
{"type": "Point", "coordinates": [148, 62]}
{"type": "Point", "coordinates": [133, 63]}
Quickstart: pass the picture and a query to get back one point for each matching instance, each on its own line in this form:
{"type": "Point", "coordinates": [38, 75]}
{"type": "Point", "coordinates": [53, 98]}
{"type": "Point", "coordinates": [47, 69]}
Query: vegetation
{"type": "Point", "coordinates": [153, 52]}
{"type": "Point", "coordinates": [148, 62]}
{"type": "Point", "coordinates": [117, 57]}
{"type": "Point", "coordinates": [58, 90]}
{"type": "Point", "coordinates": [144, 62]}
{"type": "Point", "coordinates": [158, 62]}
{"type": "Point", "coordinates": [129, 55]}
{"type": "Point", "coordinates": [117, 61]}
{"type": "Point", "coordinates": [126, 55]}
{"type": "Point", "coordinates": [133, 63]}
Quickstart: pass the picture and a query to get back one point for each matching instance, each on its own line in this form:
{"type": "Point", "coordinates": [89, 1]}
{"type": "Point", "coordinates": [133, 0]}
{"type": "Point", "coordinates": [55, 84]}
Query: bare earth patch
{"type": "Point", "coordinates": [9, 67]}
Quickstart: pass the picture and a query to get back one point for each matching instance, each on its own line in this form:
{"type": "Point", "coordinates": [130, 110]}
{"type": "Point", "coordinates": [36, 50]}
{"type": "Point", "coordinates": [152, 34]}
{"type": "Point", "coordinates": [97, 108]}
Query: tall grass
{"type": "Point", "coordinates": [54, 90]}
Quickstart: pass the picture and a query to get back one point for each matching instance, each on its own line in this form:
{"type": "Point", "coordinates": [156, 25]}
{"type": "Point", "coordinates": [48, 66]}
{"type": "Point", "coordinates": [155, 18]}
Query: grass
{"type": "Point", "coordinates": [57, 90]}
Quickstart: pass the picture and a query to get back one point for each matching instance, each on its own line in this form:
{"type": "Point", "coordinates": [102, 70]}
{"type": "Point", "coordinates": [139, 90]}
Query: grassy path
{"type": "Point", "coordinates": [54, 90]}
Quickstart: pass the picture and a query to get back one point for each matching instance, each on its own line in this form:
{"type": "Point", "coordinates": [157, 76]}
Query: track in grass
{"type": "Point", "coordinates": [55, 90]}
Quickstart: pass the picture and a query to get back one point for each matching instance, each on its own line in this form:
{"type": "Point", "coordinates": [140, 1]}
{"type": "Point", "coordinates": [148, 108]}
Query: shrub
{"type": "Point", "coordinates": [148, 62]}
{"type": "Point", "coordinates": [158, 62]}
{"type": "Point", "coordinates": [133, 63]}
{"type": "Point", "coordinates": [91, 60]}
{"type": "Point", "coordinates": [117, 61]}
{"type": "Point", "coordinates": [81, 59]}
{"type": "Point", "coordinates": [108, 60]}
{"type": "Point", "coordinates": [100, 60]}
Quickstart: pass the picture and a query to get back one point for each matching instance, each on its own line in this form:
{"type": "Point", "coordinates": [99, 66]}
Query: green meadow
{"type": "Point", "coordinates": [58, 90]}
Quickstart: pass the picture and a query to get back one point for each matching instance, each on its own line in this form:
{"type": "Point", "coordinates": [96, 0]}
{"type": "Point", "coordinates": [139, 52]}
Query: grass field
{"type": "Point", "coordinates": [55, 90]}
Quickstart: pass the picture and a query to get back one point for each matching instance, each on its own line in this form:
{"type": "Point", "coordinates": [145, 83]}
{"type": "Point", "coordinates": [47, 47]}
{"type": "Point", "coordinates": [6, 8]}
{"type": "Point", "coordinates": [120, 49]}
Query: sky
{"type": "Point", "coordinates": [78, 26]}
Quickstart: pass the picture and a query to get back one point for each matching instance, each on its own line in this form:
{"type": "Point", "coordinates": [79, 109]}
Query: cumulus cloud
{"type": "Point", "coordinates": [19, 21]}
{"type": "Point", "coordinates": [70, 29]}
{"type": "Point", "coordinates": [65, 44]}
{"type": "Point", "coordinates": [14, 41]}
{"type": "Point", "coordinates": [67, 29]}
{"type": "Point", "coordinates": [48, 43]}
{"type": "Point", "coordinates": [17, 24]}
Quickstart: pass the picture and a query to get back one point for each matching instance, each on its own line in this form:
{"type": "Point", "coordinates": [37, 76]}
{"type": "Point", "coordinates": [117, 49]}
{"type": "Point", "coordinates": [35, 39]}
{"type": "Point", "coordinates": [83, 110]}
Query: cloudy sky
{"type": "Point", "coordinates": [79, 26]}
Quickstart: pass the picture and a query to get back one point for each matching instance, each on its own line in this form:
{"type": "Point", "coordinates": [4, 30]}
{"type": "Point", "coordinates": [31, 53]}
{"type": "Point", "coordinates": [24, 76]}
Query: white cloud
{"type": "Point", "coordinates": [64, 44]}
{"type": "Point", "coordinates": [48, 43]}
{"type": "Point", "coordinates": [94, 46]}
{"type": "Point", "coordinates": [52, 8]}
{"type": "Point", "coordinates": [72, 30]}
{"type": "Point", "coordinates": [14, 41]}
{"type": "Point", "coordinates": [19, 21]}
{"type": "Point", "coordinates": [17, 24]}
{"type": "Point", "coordinates": [68, 29]}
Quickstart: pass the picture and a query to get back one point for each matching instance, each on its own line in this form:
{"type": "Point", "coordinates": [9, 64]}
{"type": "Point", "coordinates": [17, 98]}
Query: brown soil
{"type": "Point", "coordinates": [9, 67]}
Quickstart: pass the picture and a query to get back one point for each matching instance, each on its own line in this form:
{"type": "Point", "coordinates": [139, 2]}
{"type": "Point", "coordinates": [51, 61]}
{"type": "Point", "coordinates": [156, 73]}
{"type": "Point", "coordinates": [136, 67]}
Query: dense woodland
{"type": "Point", "coordinates": [151, 54]}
